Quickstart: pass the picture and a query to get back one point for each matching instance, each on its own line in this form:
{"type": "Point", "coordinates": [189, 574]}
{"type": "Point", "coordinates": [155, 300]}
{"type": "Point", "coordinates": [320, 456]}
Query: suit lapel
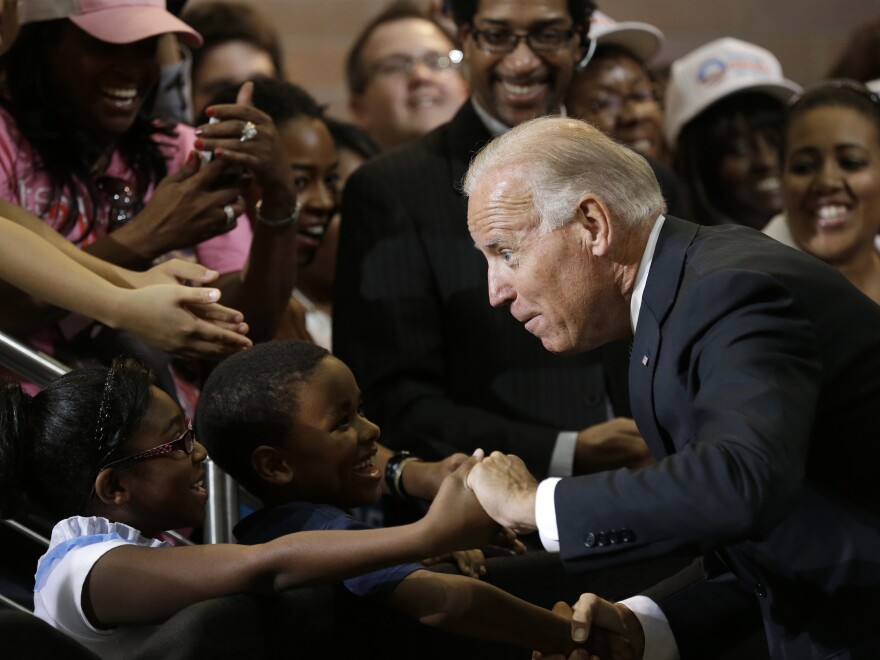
{"type": "Point", "coordinates": [465, 135]}
{"type": "Point", "coordinates": [664, 278]}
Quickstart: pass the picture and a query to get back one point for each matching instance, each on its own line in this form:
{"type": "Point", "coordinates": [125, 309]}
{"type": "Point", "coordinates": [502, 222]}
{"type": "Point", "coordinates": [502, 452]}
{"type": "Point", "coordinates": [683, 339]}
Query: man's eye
{"type": "Point", "coordinates": [496, 37]}
{"type": "Point", "coordinates": [343, 423]}
{"type": "Point", "coordinates": [507, 256]}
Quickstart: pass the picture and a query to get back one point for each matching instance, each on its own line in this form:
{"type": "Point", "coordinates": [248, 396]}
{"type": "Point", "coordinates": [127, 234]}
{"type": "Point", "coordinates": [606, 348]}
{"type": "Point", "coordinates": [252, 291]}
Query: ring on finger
{"type": "Point", "coordinates": [230, 215]}
{"type": "Point", "coordinates": [248, 131]}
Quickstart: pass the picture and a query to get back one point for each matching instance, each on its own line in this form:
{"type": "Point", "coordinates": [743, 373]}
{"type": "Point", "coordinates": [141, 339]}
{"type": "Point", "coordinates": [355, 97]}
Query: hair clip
{"type": "Point", "coordinates": [104, 411]}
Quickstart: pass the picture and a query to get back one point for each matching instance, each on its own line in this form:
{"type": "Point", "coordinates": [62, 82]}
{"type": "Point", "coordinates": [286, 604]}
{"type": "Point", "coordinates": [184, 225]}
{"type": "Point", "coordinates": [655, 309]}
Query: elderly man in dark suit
{"type": "Point", "coordinates": [441, 371]}
{"type": "Point", "coordinates": [754, 377]}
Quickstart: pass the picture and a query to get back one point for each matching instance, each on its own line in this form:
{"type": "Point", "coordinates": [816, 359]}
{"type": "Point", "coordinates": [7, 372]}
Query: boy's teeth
{"type": "Point", "coordinates": [314, 230]}
{"type": "Point", "coordinates": [124, 93]}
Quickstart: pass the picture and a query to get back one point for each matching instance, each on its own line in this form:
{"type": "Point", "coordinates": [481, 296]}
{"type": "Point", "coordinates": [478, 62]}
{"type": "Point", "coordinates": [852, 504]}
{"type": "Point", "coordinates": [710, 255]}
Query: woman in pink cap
{"type": "Point", "coordinates": [79, 150]}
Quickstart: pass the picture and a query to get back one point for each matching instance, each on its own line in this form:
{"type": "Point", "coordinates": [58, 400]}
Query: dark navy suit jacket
{"type": "Point", "coordinates": [755, 379]}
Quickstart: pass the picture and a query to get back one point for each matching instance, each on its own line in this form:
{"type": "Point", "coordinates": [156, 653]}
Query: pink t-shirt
{"type": "Point", "coordinates": [25, 185]}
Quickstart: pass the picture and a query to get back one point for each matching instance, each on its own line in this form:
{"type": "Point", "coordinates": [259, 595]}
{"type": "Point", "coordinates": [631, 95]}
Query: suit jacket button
{"type": "Point", "coordinates": [601, 539]}
{"type": "Point", "coordinates": [613, 537]}
{"type": "Point", "coordinates": [590, 540]}
{"type": "Point", "coordinates": [761, 590]}
{"type": "Point", "coordinates": [627, 536]}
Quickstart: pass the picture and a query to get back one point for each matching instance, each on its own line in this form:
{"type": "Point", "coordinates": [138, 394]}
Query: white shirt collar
{"type": "Point", "coordinates": [635, 303]}
{"type": "Point", "coordinates": [493, 125]}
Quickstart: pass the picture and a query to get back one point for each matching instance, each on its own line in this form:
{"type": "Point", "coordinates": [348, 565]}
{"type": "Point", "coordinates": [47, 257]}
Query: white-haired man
{"type": "Point", "coordinates": [753, 378]}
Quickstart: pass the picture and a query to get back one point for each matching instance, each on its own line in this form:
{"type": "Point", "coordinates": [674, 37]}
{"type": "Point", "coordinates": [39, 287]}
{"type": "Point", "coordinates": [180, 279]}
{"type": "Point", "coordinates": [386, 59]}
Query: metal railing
{"type": "Point", "coordinates": [41, 369]}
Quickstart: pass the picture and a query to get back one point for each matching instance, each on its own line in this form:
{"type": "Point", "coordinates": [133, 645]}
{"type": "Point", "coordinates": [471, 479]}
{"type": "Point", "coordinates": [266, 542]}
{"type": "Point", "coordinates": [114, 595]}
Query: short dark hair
{"type": "Point", "coordinates": [463, 12]}
{"type": "Point", "coordinates": [839, 92]}
{"type": "Point", "coordinates": [52, 444]}
{"type": "Point", "coordinates": [348, 136]}
{"type": "Point", "coordinates": [281, 100]}
{"type": "Point", "coordinates": [248, 401]}
{"type": "Point", "coordinates": [355, 73]}
{"type": "Point", "coordinates": [219, 21]}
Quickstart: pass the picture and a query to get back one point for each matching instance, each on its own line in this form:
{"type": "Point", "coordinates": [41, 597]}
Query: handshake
{"type": "Point", "coordinates": [499, 489]}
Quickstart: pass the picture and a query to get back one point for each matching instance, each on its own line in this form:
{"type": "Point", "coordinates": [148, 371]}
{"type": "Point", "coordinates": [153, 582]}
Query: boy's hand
{"type": "Point", "coordinates": [602, 643]}
{"type": "Point", "coordinates": [456, 520]}
{"type": "Point", "coordinates": [471, 563]}
{"type": "Point", "coordinates": [423, 478]}
{"type": "Point", "coordinates": [507, 541]}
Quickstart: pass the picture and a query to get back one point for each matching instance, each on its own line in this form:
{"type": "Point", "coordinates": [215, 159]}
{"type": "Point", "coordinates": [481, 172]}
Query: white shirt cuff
{"type": "Point", "coordinates": [659, 641]}
{"type": "Point", "coordinates": [545, 514]}
{"type": "Point", "coordinates": [562, 458]}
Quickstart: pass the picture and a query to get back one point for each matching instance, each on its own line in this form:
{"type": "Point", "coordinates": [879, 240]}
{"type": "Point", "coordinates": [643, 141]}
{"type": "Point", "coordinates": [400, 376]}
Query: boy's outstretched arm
{"type": "Point", "coordinates": [469, 607]}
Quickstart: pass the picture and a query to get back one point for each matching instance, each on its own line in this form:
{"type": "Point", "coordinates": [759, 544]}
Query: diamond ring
{"type": "Point", "coordinates": [230, 215]}
{"type": "Point", "coordinates": [248, 131]}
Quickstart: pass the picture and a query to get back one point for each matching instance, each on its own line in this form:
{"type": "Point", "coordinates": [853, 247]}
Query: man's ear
{"type": "Point", "coordinates": [110, 487]}
{"type": "Point", "coordinates": [595, 221]}
{"type": "Point", "coordinates": [271, 465]}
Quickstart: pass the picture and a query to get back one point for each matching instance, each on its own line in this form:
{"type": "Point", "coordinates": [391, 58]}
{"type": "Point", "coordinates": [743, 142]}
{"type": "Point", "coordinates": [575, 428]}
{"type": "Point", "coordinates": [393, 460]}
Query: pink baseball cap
{"type": "Point", "coordinates": [113, 21]}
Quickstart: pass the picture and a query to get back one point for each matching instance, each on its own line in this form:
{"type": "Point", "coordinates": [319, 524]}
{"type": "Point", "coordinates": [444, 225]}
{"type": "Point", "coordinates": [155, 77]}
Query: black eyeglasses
{"type": "Point", "coordinates": [503, 41]}
{"type": "Point", "coordinates": [399, 65]}
{"type": "Point", "coordinates": [185, 442]}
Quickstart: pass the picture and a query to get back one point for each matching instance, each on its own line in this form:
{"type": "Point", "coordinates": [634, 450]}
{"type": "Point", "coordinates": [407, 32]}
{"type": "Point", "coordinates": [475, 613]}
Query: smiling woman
{"type": "Point", "coordinates": [314, 165]}
{"type": "Point", "coordinates": [831, 183]}
{"type": "Point", "coordinates": [79, 149]}
{"type": "Point", "coordinates": [724, 107]}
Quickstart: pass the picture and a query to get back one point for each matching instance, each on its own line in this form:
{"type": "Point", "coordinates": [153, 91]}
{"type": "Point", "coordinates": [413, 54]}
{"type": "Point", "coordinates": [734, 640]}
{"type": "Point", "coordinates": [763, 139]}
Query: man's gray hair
{"type": "Point", "coordinates": [561, 160]}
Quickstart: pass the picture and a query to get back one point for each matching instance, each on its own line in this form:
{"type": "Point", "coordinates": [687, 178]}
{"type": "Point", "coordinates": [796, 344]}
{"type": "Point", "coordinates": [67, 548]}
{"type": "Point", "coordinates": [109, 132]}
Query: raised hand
{"type": "Point", "coordinates": [247, 137]}
{"type": "Point", "coordinates": [187, 207]}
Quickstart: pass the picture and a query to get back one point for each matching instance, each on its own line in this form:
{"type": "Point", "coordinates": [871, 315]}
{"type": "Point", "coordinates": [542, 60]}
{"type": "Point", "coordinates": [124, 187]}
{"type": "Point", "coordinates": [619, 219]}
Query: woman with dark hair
{"type": "Point", "coordinates": [113, 459]}
{"type": "Point", "coordinates": [831, 180]}
{"type": "Point", "coordinates": [724, 107]}
{"type": "Point", "coordinates": [315, 283]}
{"type": "Point", "coordinates": [78, 150]}
{"type": "Point", "coordinates": [308, 147]}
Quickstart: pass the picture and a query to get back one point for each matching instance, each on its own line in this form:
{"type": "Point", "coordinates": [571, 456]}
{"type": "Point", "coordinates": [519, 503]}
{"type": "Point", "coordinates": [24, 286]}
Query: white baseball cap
{"type": "Point", "coordinates": [715, 71]}
{"type": "Point", "coordinates": [641, 39]}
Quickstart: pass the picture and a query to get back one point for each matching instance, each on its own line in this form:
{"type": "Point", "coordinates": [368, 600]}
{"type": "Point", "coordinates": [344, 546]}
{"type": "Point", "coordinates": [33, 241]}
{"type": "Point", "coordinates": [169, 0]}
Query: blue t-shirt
{"type": "Point", "coordinates": [268, 524]}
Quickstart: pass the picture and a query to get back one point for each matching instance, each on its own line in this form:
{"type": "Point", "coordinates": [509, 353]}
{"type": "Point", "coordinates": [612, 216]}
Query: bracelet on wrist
{"type": "Point", "coordinates": [280, 223]}
{"type": "Point", "coordinates": [394, 472]}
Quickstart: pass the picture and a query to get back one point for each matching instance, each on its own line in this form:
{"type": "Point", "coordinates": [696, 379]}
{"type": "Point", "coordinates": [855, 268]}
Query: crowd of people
{"type": "Point", "coordinates": [682, 392]}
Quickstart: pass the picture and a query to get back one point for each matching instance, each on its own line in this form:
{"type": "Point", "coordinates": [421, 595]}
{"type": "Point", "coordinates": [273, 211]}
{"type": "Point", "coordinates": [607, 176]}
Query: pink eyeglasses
{"type": "Point", "coordinates": [185, 442]}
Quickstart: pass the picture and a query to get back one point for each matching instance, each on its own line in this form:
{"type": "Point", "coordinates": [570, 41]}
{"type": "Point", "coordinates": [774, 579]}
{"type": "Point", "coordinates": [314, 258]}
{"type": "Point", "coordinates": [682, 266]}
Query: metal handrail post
{"type": "Point", "coordinates": [35, 366]}
{"type": "Point", "coordinates": [222, 508]}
